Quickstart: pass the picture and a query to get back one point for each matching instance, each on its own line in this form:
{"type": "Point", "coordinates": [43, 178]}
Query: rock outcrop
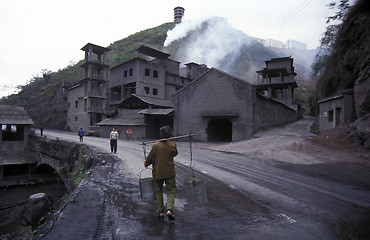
{"type": "Point", "coordinates": [360, 131]}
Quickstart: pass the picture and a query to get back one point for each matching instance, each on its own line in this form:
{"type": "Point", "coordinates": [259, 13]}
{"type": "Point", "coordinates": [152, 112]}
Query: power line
{"type": "Point", "coordinates": [300, 7]}
{"type": "Point", "coordinates": [288, 17]}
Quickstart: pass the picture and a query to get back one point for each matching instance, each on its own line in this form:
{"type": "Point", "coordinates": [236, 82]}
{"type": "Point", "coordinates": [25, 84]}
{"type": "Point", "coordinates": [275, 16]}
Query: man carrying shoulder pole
{"type": "Point", "coordinates": [161, 158]}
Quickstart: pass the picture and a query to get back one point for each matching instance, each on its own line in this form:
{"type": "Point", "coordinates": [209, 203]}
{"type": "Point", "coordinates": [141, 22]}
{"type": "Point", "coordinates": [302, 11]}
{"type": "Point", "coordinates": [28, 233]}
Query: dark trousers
{"type": "Point", "coordinates": [113, 145]}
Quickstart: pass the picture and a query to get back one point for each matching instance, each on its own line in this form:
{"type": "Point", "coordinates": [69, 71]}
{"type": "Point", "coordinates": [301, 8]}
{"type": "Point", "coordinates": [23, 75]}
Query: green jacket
{"type": "Point", "coordinates": [161, 157]}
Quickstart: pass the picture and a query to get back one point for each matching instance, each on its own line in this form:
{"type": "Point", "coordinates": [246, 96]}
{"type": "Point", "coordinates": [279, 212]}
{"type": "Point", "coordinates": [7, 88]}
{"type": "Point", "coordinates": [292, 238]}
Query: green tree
{"type": "Point", "coordinates": [327, 44]}
{"type": "Point", "coordinates": [329, 37]}
{"type": "Point", "coordinates": [335, 21]}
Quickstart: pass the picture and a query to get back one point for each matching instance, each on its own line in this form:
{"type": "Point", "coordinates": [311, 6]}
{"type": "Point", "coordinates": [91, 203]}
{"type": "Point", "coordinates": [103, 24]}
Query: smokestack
{"type": "Point", "coordinates": [179, 13]}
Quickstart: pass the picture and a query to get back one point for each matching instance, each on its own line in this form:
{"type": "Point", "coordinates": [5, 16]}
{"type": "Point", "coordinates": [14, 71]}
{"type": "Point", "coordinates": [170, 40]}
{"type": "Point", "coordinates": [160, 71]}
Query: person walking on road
{"type": "Point", "coordinates": [113, 140]}
{"type": "Point", "coordinates": [161, 158]}
{"type": "Point", "coordinates": [81, 134]}
{"type": "Point", "coordinates": [129, 133]}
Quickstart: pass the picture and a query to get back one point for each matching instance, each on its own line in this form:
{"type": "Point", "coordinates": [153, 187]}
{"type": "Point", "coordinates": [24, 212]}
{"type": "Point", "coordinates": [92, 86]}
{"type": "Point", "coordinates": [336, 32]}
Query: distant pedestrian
{"type": "Point", "coordinates": [81, 134]}
{"type": "Point", "coordinates": [41, 130]}
{"type": "Point", "coordinates": [113, 140]}
{"type": "Point", "coordinates": [161, 158]}
{"type": "Point", "coordinates": [129, 133]}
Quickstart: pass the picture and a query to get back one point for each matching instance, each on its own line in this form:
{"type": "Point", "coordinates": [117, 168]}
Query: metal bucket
{"type": "Point", "coordinates": [146, 186]}
{"type": "Point", "coordinates": [195, 189]}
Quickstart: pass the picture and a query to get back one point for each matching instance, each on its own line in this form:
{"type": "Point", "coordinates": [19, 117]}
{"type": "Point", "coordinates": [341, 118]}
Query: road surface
{"type": "Point", "coordinates": [275, 186]}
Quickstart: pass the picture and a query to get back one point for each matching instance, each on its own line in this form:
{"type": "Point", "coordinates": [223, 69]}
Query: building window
{"type": "Point", "coordinates": [331, 114]}
{"type": "Point", "coordinates": [155, 91]}
{"type": "Point", "coordinates": [155, 74]}
{"type": "Point", "coordinates": [125, 74]}
{"type": "Point", "coordinates": [76, 119]}
{"type": "Point", "coordinates": [147, 91]}
{"type": "Point", "coordinates": [130, 71]}
{"type": "Point", "coordinates": [147, 72]}
{"type": "Point", "coordinates": [76, 104]}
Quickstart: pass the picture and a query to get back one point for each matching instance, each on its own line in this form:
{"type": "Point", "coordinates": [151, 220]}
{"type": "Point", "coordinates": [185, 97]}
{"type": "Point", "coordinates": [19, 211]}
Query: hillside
{"type": "Point", "coordinates": [237, 54]}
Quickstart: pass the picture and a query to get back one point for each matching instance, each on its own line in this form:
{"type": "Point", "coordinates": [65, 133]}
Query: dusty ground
{"type": "Point", "coordinates": [293, 143]}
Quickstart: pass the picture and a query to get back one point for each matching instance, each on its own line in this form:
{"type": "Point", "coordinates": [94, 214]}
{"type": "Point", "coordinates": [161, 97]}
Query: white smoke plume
{"type": "Point", "coordinates": [213, 45]}
{"type": "Point", "coordinates": [182, 29]}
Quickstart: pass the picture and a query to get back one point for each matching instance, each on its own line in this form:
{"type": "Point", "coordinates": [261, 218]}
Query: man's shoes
{"type": "Point", "coordinates": [160, 214]}
{"type": "Point", "coordinates": [170, 215]}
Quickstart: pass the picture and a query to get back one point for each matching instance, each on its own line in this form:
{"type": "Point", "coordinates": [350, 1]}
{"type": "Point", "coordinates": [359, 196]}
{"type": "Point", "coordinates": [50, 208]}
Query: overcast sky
{"type": "Point", "coordinates": [48, 34]}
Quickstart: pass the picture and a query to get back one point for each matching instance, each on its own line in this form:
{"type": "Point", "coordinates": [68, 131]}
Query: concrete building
{"type": "Point", "coordinates": [178, 13]}
{"type": "Point", "coordinates": [291, 44]}
{"type": "Point", "coordinates": [295, 44]}
{"type": "Point", "coordinates": [15, 127]}
{"type": "Point", "coordinates": [276, 80]}
{"type": "Point", "coordinates": [148, 92]}
{"type": "Point", "coordinates": [194, 70]}
{"type": "Point", "coordinates": [144, 84]}
{"type": "Point", "coordinates": [87, 97]}
{"type": "Point", "coordinates": [220, 107]}
{"type": "Point", "coordinates": [336, 111]}
{"type": "Point", "coordinates": [273, 43]}
{"type": "Point", "coordinates": [151, 74]}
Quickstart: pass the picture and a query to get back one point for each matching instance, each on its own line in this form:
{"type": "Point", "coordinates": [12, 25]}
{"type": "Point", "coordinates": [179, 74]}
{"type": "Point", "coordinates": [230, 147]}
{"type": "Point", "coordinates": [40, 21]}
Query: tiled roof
{"type": "Point", "coordinates": [14, 115]}
{"type": "Point", "coordinates": [157, 111]}
{"type": "Point", "coordinates": [122, 121]}
{"type": "Point", "coordinates": [155, 101]}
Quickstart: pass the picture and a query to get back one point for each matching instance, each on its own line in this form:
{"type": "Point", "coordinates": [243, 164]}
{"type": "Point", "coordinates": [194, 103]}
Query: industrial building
{"type": "Point", "coordinates": [140, 91]}
{"type": "Point", "coordinates": [220, 107]}
{"type": "Point", "coordinates": [86, 99]}
{"type": "Point", "coordinates": [151, 90]}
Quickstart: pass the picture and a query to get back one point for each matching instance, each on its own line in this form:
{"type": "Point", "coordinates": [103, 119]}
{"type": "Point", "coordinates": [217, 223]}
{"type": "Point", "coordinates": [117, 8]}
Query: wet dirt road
{"type": "Point", "coordinates": [250, 196]}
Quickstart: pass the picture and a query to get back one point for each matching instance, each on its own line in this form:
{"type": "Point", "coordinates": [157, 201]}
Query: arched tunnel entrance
{"type": "Point", "coordinates": [219, 130]}
{"type": "Point", "coordinates": [47, 172]}
{"type": "Point", "coordinates": [53, 184]}
{"type": "Point", "coordinates": [18, 184]}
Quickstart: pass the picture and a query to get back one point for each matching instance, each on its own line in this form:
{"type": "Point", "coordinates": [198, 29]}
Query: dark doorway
{"type": "Point", "coordinates": [337, 116]}
{"type": "Point", "coordinates": [219, 129]}
{"type": "Point", "coordinates": [155, 122]}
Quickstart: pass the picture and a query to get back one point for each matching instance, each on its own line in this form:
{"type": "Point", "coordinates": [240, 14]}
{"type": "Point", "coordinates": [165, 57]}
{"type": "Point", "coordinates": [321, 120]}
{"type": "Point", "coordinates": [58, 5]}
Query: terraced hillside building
{"type": "Point", "coordinates": [141, 91]}
{"type": "Point", "coordinates": [87, 97]}
{"type": "Point", "coordinates": [277, 81]}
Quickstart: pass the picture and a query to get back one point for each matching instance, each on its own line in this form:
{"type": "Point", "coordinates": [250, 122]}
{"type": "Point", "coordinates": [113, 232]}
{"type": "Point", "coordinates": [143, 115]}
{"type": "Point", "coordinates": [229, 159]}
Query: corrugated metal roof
{"type": "Point", "coordinates": [95, 48]}
{"type": "Point", "coordinates": [155, 101]}
{"type": "Point", "coordinates": [330, 98]}
{"type": "Point", "coordinates": [119, 121]}
{"type": "Point", "coordinates": [14, 115]}
{"type": "Point", "coordinates": [152, 52]}
{"type": "Point", "coordinates": [157, 111]}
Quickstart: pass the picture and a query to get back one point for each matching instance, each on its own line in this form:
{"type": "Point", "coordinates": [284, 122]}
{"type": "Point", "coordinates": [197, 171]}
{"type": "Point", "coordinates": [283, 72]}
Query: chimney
{"type": "Point", "coordinates": [179, 13]}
